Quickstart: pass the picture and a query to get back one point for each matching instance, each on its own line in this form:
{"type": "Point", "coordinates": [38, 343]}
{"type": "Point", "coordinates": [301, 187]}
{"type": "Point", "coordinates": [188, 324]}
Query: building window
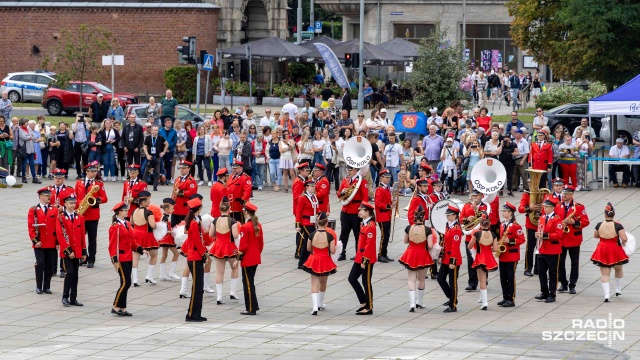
{"type": "Point", "coordinates": [490, 46]}
{"type": "Point", "coordinates": [412, 32]}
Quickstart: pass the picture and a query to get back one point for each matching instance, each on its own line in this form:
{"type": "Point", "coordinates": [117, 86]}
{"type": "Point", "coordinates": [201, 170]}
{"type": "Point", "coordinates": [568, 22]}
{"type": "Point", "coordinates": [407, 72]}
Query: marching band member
{"type": "Point", "coordinates": [349, 221]}
{"type": "Point", "coordinates": [306, 213]}
{"type": "Point", "coordinates": [183, 188]}
{"type": "Point", "coordinates": [196, 256]}
{"type": "Point", "coordinates": [168, 243]}
{"type": "Point", "coordinates": [92, 215]}
{"type": "Point", "coordinates": [320, 245]}
{"type": "Point", "coordinates": [421, 199]}
{"type": "Point", "coordinates": [239, 188]}
{"type": "Point", "coordinates": [557, 187]}
{"type": "Point", "coordinates": [485, 262]}
{"type": "Point", "coordinates": [218, 191]}
{"type": "Point", "coordinates": [512, 237]}
{"type": "Point", "coordinates": [297, 188]}
{"type": "Point", "coordinates": [550, 235]}
{"type": "Point", "coordinates": [424, 172]}
{"type": "Point", "coordinates": [610, 253]}
{"type": "Point", "coordinates": [434, 197]}
{"type": "Point", "coordinates": [70, 233]}
{"type": "Point", "coordinates": [132, 187]}
{"type": "Point", "coordinates": [41, 222]}
{"type": "Point", "coordinates": [207, 240]}
{"type": "Point", "coordinates": [541, 156]}
{"type": "Point", "coordinates": [59, 192]}
{"type": "Point", "coordinates": [122, 244]}
{"type": "Point", "coordinates": [249, 253]}
{"type": "Point", "coordinates": [574, 220]}
{"type": "Point", "coordinates": [467, 214]}
{"type": "Point", "coordinates": [384, 211]}
{"type": "Point", "coordinates": [364, 259]}
{"type": "Point", "coordinates": [452, 259]}
{"type": "Point", "coordinates": [143, 224]}
{"type": "Point", "coordinates": [322, 188]}
{"type": "Point", "coordinates": [416, 257]}
{"type": "Point", "coordinates": [224, 231]}
{"type": "Point", "coordinates": [494, 215]}
{"type": "Point", "coordinates": [530, 266]}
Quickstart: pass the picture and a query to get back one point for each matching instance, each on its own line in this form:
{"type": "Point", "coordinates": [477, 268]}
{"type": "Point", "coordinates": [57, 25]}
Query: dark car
{"type": "Point", "coordinates": [184, 114]}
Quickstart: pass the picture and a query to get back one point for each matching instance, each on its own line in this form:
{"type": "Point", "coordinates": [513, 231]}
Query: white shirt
{"type": "Point", "coordinates": [393, 152]}
{"type": "Point", "coordinates": [374, 124]}
{"type": "Point", "coordinates": [292, 109]}
{"type": "Point", "coordinates": [266, 121]}
{"type": "Point", "coordinates": [438, 120]}
{"type": "Point", "coordinates": [523, 146]}
{"type": "Point", "coordinates": [618, 153]}
{"type": "Point", "coordinates": [248, 122]}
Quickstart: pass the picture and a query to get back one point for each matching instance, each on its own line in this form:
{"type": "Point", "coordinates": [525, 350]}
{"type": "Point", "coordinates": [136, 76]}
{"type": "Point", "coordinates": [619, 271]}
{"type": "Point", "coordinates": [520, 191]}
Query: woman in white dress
{"type": "Point", "coordinates": [287, 147]}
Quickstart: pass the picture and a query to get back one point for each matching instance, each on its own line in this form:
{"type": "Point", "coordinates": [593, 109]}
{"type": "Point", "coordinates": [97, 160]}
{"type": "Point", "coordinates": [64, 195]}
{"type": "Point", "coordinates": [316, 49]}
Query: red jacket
{"type": "Point", "coordinates": [138, 186]}
{"type": "Point", "coordinates": [93, 212]}
{"type": "Point", "coordinates": [415, 203]}
{"type": "Point", "coordinates": [122, 242]}
{"type": "Point", "coordinates": [261, 153]}
{"type": "Point", "coordinates": [251, 245]}
{"type": "Point", "coordinates": [523, 208]}
{"type": "Point", "coordinates": [297, 187]}
{"type": "Point", "coordinates": [57, 200]}
{"type": "Point", "coordinates": [75, 232]}
{"type": "Point", "coordinates": [516, 238]}
{"type": "Point", "coordinates": [186, 188]}
{"type": "Point", "coordinates": [195, 248]}
{"type": "Point", "coordinates": [541, 158]}
{"type": "Point", "coordinates": [467, 210]}
{"type": "Point", "coordinates": [361, 195]}
{"type": "Point", "coordinates": [218, 191]}
{"type": "Point", "coordinates": [557, 197]}
{"type": "Point", "coordinates": [45, 234]}
{"type": "Point", "coordinates": [383, 203]}
{"type": "Point", "coordinates": [452, 238]}
{"type": "Point", "coordinates": [494, 216]}
{"type": "Point", "coordinates": [367, 243]}
{"type": "Point", "coordinates": [552, 235]}
{"type": "Point", "coordinates": [574, 237]}
{"type": "Point", "coordinates": [239, 188]}
{"type": "Point", "coordinates": [322, 193]}
{"type": "Point", "coordinates": [306, 209]}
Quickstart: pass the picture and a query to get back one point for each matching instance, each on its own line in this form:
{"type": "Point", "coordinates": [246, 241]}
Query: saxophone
{"type": "Point", "coordinates": [89, 199]}
{"type": "Point", "coordinates": [501, 246]}
{"type": "Point", "coordinates": [566, 228]}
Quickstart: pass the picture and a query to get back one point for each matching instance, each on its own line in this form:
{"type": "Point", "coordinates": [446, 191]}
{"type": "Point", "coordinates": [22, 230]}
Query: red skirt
{"type": "Point", "coordinates": [224, 250]}
{"type": "Point", "coordinates": [320, 265]}
{"type": "Point", "coordinates": [609, 254]}
{"type": "Point", "coordinates": [416, 257]}
{"type": "Point", "coordinates": [167, 241]}
{"type": "Point", "coordinates": [145, 238]}
{"type": "Point", "coordinates": [485, 260]}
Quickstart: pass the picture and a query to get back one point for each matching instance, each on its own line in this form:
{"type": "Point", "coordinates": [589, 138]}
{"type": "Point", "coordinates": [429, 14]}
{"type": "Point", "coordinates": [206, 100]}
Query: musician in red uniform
{"type": "Point", "coordinates": [365, 257]}
{"type": "Point", "coordinates": [511, 236]}
{"type": "Point", "coordinates": [424, 172]}
{"type": "Point", "coordinates": [550, 233]}
{"type": "Point", "coordinates": [249, 254]}
{"type": "Point", "coordinates": [168, 243]}
{"type": "Point", "coordinates": [41, 222]}
{"type": "Point", "coordinates": [239, 190]}
{"type": "Point", "coordinates": [541, 156]}
{"type": "Point", "coordinates": [452, 259]}
{"type": "Point", "coordinates": [297, 188]}
{"type": "Point", "coordinates": [322, 188]}
{"type": "Point", "coordinates": [421, 199]}
{"type": "Point", "coordinates": [494, 215]}
{"type": "Point", "coordinates": [132, 187]}
{"type": "Point", "coordinates": [59, 192]}
{"type": "Point", "coordinates": [70, 233]}
{"type": "Point", "coordinates": [183, 188]}
{"type": "Point", "coordinates": [306, 213]}
{"type": "Point", "coordinates": [349, 221]}
{"type": "Point", "coordinates": [92, 215]}
{"type": "Point", "coordinates": [467, 214]}
{"type": "Point", "coordinates": [218, 191]}
{"type": "Point", "coordinates": [384, 211]}
{"type": "Point", "coordinates": [122, 243]}
{"type": "Point", "coordinates": [530, 257]}
{"type": "Point", "coordinates": [574, 220]}
{"type": "Point", "coordinates": [196, 256]}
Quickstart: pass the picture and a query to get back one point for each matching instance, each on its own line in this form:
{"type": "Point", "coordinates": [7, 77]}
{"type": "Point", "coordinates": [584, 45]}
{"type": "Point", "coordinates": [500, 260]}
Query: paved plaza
{"type": "Point", "coordinates": [38, 326]}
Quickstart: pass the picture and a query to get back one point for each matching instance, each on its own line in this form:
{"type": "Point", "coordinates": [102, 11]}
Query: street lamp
{"type": "Point", "coordinates": [360, 67]}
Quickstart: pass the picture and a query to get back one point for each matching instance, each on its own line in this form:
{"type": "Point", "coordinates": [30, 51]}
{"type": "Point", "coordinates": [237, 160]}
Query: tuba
{"type": "Point", "coordinates": [89, 199]}
{"type": "Point", "coordinates": [488, 176]}
{"type": "Point", "coordinates": [536, 195]}
{"type": "Point", "coordinates": [357, 154]}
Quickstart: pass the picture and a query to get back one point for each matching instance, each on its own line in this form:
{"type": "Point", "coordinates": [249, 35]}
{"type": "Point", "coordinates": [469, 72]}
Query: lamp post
{"type": "Point", "coordinates": [360, 67]}
{"type": "Point", "coordinates": [299, 23]}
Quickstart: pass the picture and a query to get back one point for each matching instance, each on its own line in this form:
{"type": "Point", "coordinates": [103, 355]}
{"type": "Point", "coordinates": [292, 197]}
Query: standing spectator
{"type": "Point", "coordinates": [80, 129]}
{"type": "Point", "coordinates": [475, 154]}
{"type": "Point", "coordinates": [308, 108]}
{"type": "Point", "coordinates": [153, 110]}
{"type": "Point", "coordinates": [6, 135]}
{"type": "Point", "coordinates": [120, 155]}
{"type": "Point", "coordinates": [191, 132]}
{"type": "Point", "coordinates": [216, 135]}
{"type": "Point", "coordinates": [37, 140]}
{"type": "Point", "coordinates": [586, 129]}
{"type": "Point", "coordinates": [171, 136]}
{"type": "Point", "coordinates": [115, 110]}
{"type": "Point", "coordinates": [132, 140]}
{"type": "Point", "coordinates": [181, 141]}
{"type": "Point", "coordinates": [53, 151]}
{"type": "Point", "coordinates": [94, 144]}
{"type": "Point", "coordinates": [434, 119]}
{"type": "Point", "coordinates": [243, 153]}
{"type": "Point", "coordinates": [514, 88]}
{"type": "Point", "coordinates": [620, 151]}
{"type": "Point", "coordinates": [506, 157]}
{"type": "Point", "coordinates": [375, 122]}
{"type": "Point", "coordinates": [326, 94]}
{"type": "Point", "coordinates": [345, 123]}
{"type": "Point", "coordinates": [26, 150]}
{"type": "Point", "coordinates": [285, 121]}
{"type": "Point", "coordinates": [155, 147]}
{"type": "Point", "coordinates": [393, 157]}
{"type": "Point", "coordinates": [346, 101]}
{"type": "Point", "coordinates": [360, 124]}
{"type": "Point", "coordinates": [217, 119]}
{"type": "Point", "coordinates": [539, 121]}
{"type": "Point", "coordinates": [318, 148]}
{"type": "Point", "coordinates": [273, 157]}
{"type": "Point", "coordinates": [318, 78]}
{"type": "Point", "coordinates": [286, 147]}
{"type": "Point", "coordinates": [169, 107]}
{"type": "Point", "coordinates": [258, 153]}
{"type": "Point", "coordinates": [6, 107]}
{"type": "Point", "coordinates": [432, 145]}
{"type": "Point", "coordinates": [267, 119]}
{"type": "Point", "coordinates": [99, 109]}
{"type": "Point", "coordinates": [409, 157]}
{"type": "Point", "coordinates": [568, 161]}
{"type": "Point", "coordinates": [43, 131]}
{"type": "Point", "coordinates": [585, 147]}
{"type": "Point", "coordinates": [252, 133]}
{"type": "Point", "coordinates": [481, 88]}
{"type": "Point", "coordinates": [110, 137]}
{"type": "Point", "coordinates": [334, 112]}
{"type": "Point", "coordinates": [515, 122]}
{"type": "Point", "coordinates": [305, 148]}
{"type": "Point", "coordinates": [493, 147]}
{"type": "Point", "coordinates": [64, 143]}
{"type": "Point", "coordinates": [520, 155]}
{"type": "Point", "coordinates": [249, 121]}
{"type": "Point", "coordinates": [484, 121]}
{"type": "Point", "coordinates": [449, 156]}
{"type": "Point", "coordinates": [202, 154]}
{"type": "Point", "coordinates": [636, 154]}
{"type": "Point", "coordinates": [227, 118]}
{"type": "Point", "coordinates": [536, 88]}
{"type": "Point", "coordinates": [291, 109]}
{"type": "Point", "coordinates": [223, 147]}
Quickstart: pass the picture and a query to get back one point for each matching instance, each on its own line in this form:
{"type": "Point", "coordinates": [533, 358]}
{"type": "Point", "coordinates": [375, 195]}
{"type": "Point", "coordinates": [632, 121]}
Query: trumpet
{"type": "Point", "coordinates": [566, 228]}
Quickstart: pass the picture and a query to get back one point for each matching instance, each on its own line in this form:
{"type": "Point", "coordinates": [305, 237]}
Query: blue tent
{"type": "Point", "coordinates": [625, 100]}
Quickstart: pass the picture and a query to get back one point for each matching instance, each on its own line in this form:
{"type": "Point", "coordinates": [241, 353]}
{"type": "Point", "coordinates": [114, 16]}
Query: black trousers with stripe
{"type": "Point", "coordinates": [195, 304]}
{"type": "Point", "coordinates": [45, 266]}
{"type": "Point", "coordinates": [238, 216]}
{"type": "Point", "coordinates": [305, 232]}
{"type": "Point", "coordinates": [550, 263]}
{"type": "Point", "coordinates": [385, 230]}
{"type": "Point", "coordinates": [508, 279]}
{"type": "Point", "coordinates": [349, 223]}
{"type": "Point", "coordinates": [249, 287]}
{"type": "Point", "coordinates": [70, 289]}
{"type": "Point", "coordinates": [574, 255]}
{"type": "Point", "coordinates": [530, 258]}
{"type": "Point", "coordinates": [125, 283]}
{"type": "Point", "coordinates": [450, 287]}
{"type": "Point", "coordinates": [473, 275]}
{"type": "Point", "coordinates": [91, 228]}
{"type": "Point", "coordinates": [365, 295]}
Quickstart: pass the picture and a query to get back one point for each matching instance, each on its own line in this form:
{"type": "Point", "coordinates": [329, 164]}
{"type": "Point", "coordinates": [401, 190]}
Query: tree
{"type": "Point", "coordinates": [437, 73]}
{"type": "Point", "coordinates": [78, 55]}
{"type": "Point", "coordinates": [580, 39]}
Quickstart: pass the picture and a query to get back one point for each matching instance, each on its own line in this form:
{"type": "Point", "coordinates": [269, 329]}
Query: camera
{"type": "Point", "coordinates": [81, 117]}
{"type": "Point", "coordinates": [588, 137]}
{"type": "Point", "coordinates": [473, 146]}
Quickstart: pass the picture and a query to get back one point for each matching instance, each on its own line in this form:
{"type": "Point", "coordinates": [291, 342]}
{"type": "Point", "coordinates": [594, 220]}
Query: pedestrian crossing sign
{"type": "Point", "coordinates": [208, 62]}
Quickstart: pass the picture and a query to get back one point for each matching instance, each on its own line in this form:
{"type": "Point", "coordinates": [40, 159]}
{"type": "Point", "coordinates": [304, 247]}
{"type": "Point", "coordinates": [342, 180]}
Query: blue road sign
{"type": "Point", "coordinates": [207, 63]}
{"type": "Point", "coordinates": [318, 27]}
{"type": "Point", "coordinates": [310, 28]}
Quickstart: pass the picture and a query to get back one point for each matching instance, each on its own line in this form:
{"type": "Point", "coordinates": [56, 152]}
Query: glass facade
{"type": "Point", "coordinates": [412, 32]}
{"type": "Point", "coordinates": [490, 45]}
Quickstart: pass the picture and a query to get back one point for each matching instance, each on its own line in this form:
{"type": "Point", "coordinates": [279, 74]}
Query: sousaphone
{"type": "Point", "coordinates": [357, 153]}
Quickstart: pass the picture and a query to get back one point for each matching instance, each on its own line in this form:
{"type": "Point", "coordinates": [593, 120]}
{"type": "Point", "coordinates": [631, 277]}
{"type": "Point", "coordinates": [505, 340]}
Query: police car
{"type": "Point", "coordinates": [26, 86]}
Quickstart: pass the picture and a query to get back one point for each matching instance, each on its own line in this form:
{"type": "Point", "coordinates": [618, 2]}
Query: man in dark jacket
{"type": "Point", "coordinates": [98, 109]}
{"type": "Point", "coordinates": [243, 148]}
{"type": "Point", "coordinates": [346, 102]}
{"type": "Point", "coordinates": [132, 139]}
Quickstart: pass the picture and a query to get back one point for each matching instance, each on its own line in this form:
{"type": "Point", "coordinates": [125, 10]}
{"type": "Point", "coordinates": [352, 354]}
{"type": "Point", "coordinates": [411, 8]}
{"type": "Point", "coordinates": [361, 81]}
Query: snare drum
{"type": "Point", "coordinates": [332, 224]}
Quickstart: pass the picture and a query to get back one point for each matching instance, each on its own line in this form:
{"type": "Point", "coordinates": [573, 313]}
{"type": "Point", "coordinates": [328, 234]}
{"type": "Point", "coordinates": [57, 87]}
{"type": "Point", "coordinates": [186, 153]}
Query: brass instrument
{"type": "Point", "coordinates": [566, 228]}
{"type": "Point", "coordinates": [357, 153]}
{"type": "Point", "coordinates": [501, 246]}
{"type": "Point", "coordinates": [536, 195]}
{"type": "Point", "coordinates": [540, 233]}
{"type": "Point", "coordinates": [345, 196]}
{"type": "Point", "coordinates": [468, 226]}
{"type": "Point", "coordinates": [89, 199]}
{"type": "Point", "coordinates": [174, 193]}
{"type": "Point", "coordinates": [415, 191]}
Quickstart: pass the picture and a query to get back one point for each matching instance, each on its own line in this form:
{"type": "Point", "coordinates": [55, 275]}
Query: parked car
{"type": "Point", "coordinates": [184, 114]}
{"type": "Point", "coordinates": [27, 85]}
{"type": "Point", "coordinates": [569, 116]}
{"type": "Point", "coordinates": [57, 100]}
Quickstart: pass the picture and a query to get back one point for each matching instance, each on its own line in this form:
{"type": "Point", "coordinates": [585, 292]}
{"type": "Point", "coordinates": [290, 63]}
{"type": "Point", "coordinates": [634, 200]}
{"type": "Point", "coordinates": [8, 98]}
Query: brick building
{"type": "Point", "coordinates": [147, 34]}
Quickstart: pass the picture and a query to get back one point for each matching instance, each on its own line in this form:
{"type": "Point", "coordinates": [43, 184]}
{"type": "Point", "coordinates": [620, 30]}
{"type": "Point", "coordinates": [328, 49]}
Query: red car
{"type": "Point", "coordinates": [57, 100]}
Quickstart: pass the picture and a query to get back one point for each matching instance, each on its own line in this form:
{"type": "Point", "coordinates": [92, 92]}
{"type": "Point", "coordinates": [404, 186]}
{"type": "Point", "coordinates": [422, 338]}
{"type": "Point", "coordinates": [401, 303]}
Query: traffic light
{"type": "Point", "coordinates": [230, 69]}
{"type": "Point", "coordinates": [348, 60]}
{"type": "Point", "coordinates": [355, 60]}
{"type": "Point", "coordinates": [187, 52]}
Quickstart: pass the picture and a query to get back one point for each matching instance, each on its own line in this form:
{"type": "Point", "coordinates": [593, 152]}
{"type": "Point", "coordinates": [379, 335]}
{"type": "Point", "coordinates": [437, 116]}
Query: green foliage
{"type": "Point", "coordinates": [182, 81]}
{"type": "Point", "coordinates": [580, 39]}
{"type": "Point", "coordinates": [559, 95]}
{"type": "Point", "coordinates": [303, 71]}
{"type": "Point", "coordinates": [286, 90]}
{"type": "Point", "coordinates": [437, 73]}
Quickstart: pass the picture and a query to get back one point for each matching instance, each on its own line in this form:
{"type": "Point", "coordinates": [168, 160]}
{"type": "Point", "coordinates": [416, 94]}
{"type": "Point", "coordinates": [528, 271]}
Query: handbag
{"type": "Point", "coordinates": [8, 144]}
{"type": "Point", "coordinates": [260, 160]}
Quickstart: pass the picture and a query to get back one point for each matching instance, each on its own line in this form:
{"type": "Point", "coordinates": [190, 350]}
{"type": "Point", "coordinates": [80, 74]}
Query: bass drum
{"type": "Point", "coordinates": [438, 217]}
